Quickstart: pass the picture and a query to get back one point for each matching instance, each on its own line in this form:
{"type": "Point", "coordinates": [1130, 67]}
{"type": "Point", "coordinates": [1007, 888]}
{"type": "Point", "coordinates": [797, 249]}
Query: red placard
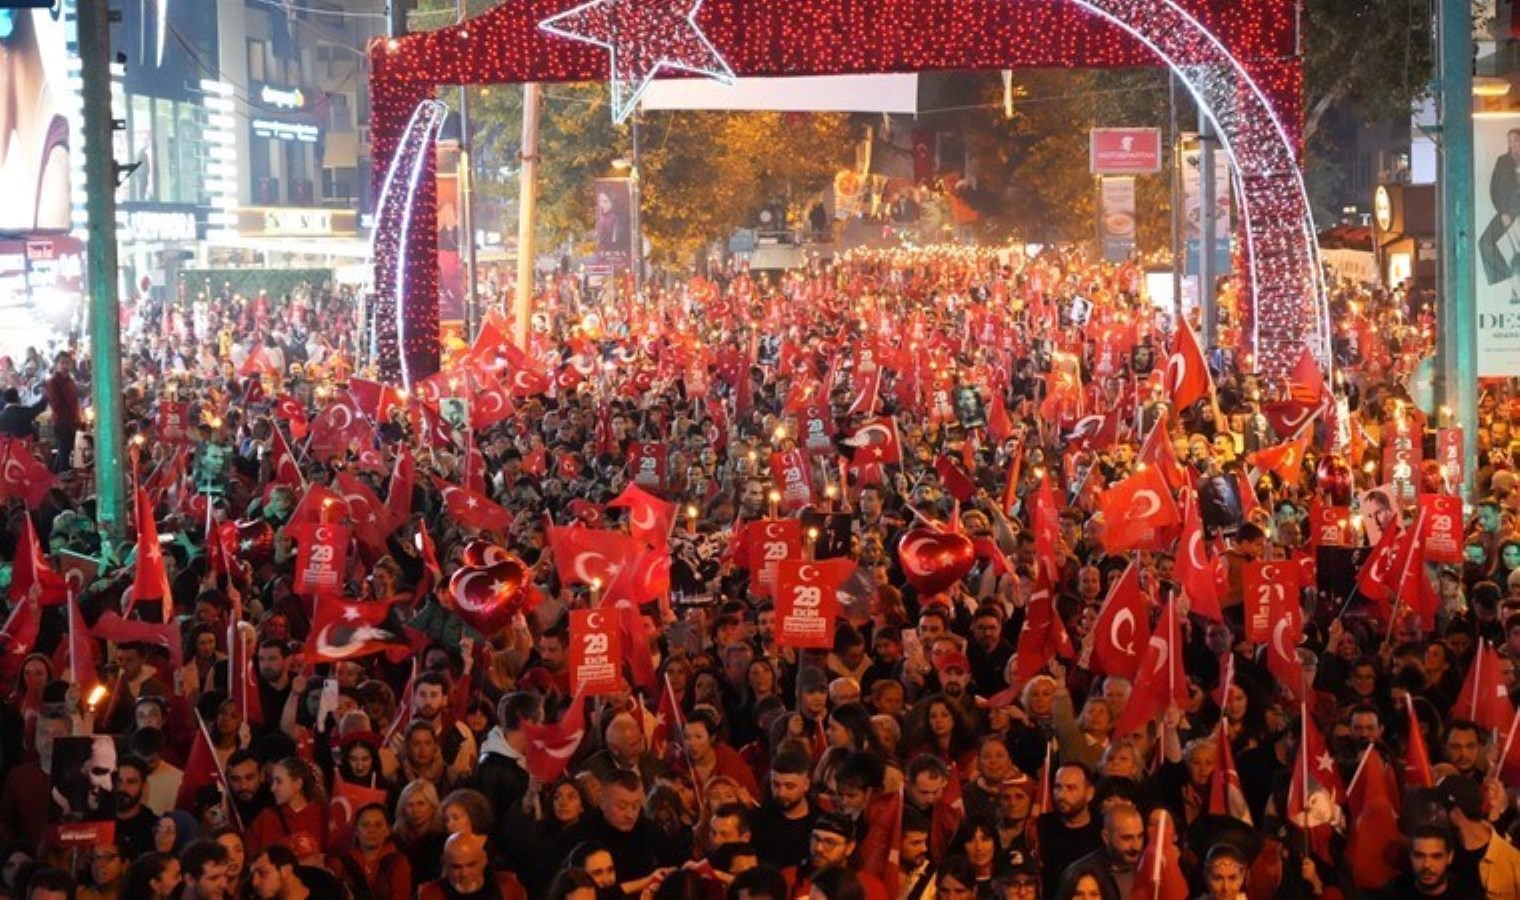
{"type": "Point", "coordinates": [647, 462]}
{"type": "Point", "coordinates": [1125, 151]}
{"type": "Point", "coordinates": [596, 652]}
{"type": "Point", "coordinates": [1330, 526]}
{"type": "Point", "coordinates": [806, 602]}
{"type": "Point", "coordinates": [770, 541]}
{"type": "Point", "coordinates": [793, 479]}
{"type": "Point", "coordinates": [1449, 455]}
{"type": "Point", "coordinates": [696, 380]}
{"type": "Point", "coordinates": [1268, 588]}
{"type": "Point", "coordinates": [1401, 468]}
{"type": "Point", "coordinates": [173, 422]}
{"type": "Point", "coordinates": [321, 558]}
{"type": "Point", "coordinates": [1442, 532]}
{"type": "Point", "coordinates": [815, 426]}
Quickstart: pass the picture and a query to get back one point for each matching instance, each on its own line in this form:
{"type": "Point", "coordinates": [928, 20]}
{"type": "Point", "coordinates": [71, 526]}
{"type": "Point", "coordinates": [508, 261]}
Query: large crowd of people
{"type": "Point", "coordinates": [303, 691]}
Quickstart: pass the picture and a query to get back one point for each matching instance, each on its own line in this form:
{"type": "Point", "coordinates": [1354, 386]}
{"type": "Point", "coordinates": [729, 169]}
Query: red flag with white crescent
{"type": "Point", "coordinates": [1187, 372]}
{"type": "Point", "coordinates": [1136, 510]}
{"type": "Point", "coordinates": [551, 746]}
{"type": "Point", "coordinates": [1160, 681]}
{"type": "Point", "coordinates": [1122, 630]}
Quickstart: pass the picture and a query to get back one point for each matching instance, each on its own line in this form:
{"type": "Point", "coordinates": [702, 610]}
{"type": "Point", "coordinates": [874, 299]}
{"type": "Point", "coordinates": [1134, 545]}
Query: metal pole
{"type": "Point", "coordinates": [1177, 201]}
{"type": "Point", "coordinates": [637, 224]}
{"type": "Point", "coordinates": [467, 208]}
{"type": "Point", "coordinates": [1457, 360]}
{"type": "Point", "coordinates": [527, 202]}
{"type": "Point", "coordinates": [1207, 211]}
{"type": "Point", "coordinates": [395, 17]}
{"type": "Point", "coordinates": [94, 25]}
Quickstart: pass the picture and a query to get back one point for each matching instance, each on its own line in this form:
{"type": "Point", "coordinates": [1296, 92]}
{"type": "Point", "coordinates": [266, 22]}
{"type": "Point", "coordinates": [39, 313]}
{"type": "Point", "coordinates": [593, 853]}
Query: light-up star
{"type": "Point", "coordinates": [642, 37]}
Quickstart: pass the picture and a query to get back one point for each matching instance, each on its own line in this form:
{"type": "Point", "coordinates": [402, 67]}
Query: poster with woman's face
{"type": "Point", "coordinates": [614, 223]}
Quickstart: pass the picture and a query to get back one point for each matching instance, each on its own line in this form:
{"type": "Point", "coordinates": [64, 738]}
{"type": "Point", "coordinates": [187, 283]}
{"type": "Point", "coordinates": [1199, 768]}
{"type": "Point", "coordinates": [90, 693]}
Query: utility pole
{"type": "Point", "coordinates": [101, 173]}
{"type": "Point", "coordinates": [395, 17]}
{"type": "Point", "coordinates": [1178, 253]}
{"type": "Point", "coordinates": [1208, 212]}
{"type": "Point", "coordinates": [1457, 352]}
{"type": "Point", "coordinates": [467, 208]}
{"type": "Point", "coordinates": [527, 210]}
{"type": "Point", "coordinates": [637, 226]}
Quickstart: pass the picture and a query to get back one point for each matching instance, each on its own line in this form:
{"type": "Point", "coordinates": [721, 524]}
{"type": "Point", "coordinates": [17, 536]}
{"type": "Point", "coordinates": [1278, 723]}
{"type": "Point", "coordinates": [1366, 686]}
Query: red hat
{"type": "Point", "coordinates": [952, 659]}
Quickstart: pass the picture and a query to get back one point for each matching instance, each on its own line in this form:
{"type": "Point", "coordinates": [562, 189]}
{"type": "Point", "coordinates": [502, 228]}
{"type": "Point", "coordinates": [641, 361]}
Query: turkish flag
{"type": "Point", "coordinates": [491, 402]}
{"type": "Point", "coordinates": [1160, 681]}
{"type": "Point", "coordinates": [876, 441]}
{"type": "Point", "coordinates": [1122, 628]}
{"type": "Point", "coordinates": [348, 629]}
{"type": "Point", "coordinates": [525, 382]}
{"type": "Point", "coordinates": [21, 475]}
{"type": "Point", "coordinates": [1157, 451]}
{"type": "Point", "coordinates": [1374, 845]}
{"type": "Point", "coordinates": [471, 509]}
{"type": "Point", "coordinates": [371, 518]}
{"type": "Point", "coordinates": [347, 800]}
{"type": "Point", "coordinates": [31, 576]}
{"type": "Point", "coordinates": [955, 481]}
{"type": "Point", "coordinates": [1187, 372]}
{"type": "Point", "coordinates": [1287, 417]}
{"type": "Point", "coordinates": [551, 746]}
{"type": "Point", "coordinates": [649, 518]}
{"type": "Point", "coordinates": [1315, 791]}
{"type": "Point", "coordinates": [374, 399]}
{"type": "Point", "coordinates": [1226, 797]}
{"type": "Point", "coordinates": [1484, 698]}
{"type": "Point", "coordinates": [999, 424]}
{"type": "Point", "coordinates": [1159, 873]}
{"type": "Point", "coordinates": [591, 555]}
{"type": "Point", "coordinates": [1043, 637]}
{"type": "Point", "coordinates": [151, 580]}
{"type": "Point", "coordinates": [257, 363]}
{"type": "Point", "coordinates": [1045, 521]}
{"type": "Point", "coordinates": [1136, 510]}
{"type": "Point", "coordinates": [1417, 771]}
{"type": "Point", "coordinates": [1096, 432]}
{"type": "Point", "coordinates": [398, 499]}
{"type": "Point", "coordinates": [112, 627]}
{"type": "Point", "coordinates": [1286, 459]}
{"type": "Point", "coordinates": [294, 413]}
{"type": "Point", "coordinates": [201, 768]}
{"type": "Point", "coordinates": [285, 469]}
{"type": "Point", "coordinates": [339, 425]}
{"type": "Point", "coordinates": [1193, 569]}
{"type": "Point", "coordinates": [1307, 383]}
{"type": "Point", "coordinates": [1282, 644]}
{"type": "Point", "coordinates": [18, 637]}
{"type": "Point", "coordinates": [76, 655]}
{"type": "Point", "coordinates": [241, 671]}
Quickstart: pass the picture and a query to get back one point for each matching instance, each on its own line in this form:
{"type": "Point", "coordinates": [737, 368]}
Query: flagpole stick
{"type": "Point", "coordinates": [1303, 757]}
{"type": "Point", "coordinates": [1509, 741]}
{"type": "Point", "coordinates": [73, 641]}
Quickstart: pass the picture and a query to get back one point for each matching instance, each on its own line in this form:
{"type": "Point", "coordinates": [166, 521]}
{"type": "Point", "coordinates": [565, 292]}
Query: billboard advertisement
{"type": "Point", "coordinates": [1496, 207]}
{"type": "Point", "coordinates": [1192, 205]}
{"type": "Point", "coordinates": [1125, 151]}
{"type": "Point", "coordinates": [35, 143]}
{"type": "Point", "coordinates": [614, 226]}
{"type": "Point", "coordinates": [1116, 218]}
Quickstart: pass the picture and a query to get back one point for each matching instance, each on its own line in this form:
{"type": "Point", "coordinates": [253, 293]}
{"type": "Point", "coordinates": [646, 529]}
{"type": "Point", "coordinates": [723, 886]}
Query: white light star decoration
{"type": "Point", "coordinates": [642, 37]}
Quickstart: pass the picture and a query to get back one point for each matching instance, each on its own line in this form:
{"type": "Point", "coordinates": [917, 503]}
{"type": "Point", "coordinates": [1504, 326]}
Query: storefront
{"type": "Point", "coordinates": [288, 237]}
{"type": "Point", "coordinates": [1404, 234]}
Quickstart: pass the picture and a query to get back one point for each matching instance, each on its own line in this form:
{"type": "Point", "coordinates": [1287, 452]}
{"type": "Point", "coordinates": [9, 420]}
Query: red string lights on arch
{"type": "Point", "coordinates": [770, 38]}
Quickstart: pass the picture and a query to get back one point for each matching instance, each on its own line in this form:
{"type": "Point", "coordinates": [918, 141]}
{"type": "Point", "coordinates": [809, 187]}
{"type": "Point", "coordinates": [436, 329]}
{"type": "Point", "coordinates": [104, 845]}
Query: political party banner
{"type": "Point", "coordinates": [806, 597]}
{"type": "Point", "coordinates": [1401, 468]}
{"type": "Point", "coordinates": [81, 807]}
{"type": "Point", "coordinates": [1267, 585]}
{"type": "Point", "coordinates": [321, 558]}
{"type": "Point", "coordinates": [1116, 218]}
{"type": "Point", "coordinates": [815, 428]}
{"type": "Point", "coordinates": [646, 461]}
{"type": "Point", "coordinates": [1496, 207]}
{"type": "Point", "coordinates": [1441, 535]}
{"type": "Point", "coordinates": [770, 542]}
{"type": "Point", "coordinates": [596, 653]}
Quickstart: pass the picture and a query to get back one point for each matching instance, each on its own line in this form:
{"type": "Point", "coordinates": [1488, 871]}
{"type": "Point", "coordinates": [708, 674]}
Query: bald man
{"type": "Point", "coordinates": [467, 874]}
{"type": "Point", "coordinates": [1123, 839]}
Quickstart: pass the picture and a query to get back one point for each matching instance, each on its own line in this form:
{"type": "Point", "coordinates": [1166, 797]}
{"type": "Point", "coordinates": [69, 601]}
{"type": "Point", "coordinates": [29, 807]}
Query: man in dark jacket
{"type": "Point", "coordinates": [17, 419]}
{"type": "Point", "coordinates": [63, 398]}
{"type": "Point", "coordinates": [1123, 838]}
{"type": "Point", "coordinates": [502, 775]}
{"type": "Point", "coordinates": [619, 823]}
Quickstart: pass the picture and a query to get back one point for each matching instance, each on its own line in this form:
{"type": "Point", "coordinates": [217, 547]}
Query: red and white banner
{"type": "Point", "coordinates": [173, 422]}
{"type": "Point", "coordinates": [646, 461]}
{"type": "Point", "coordinates": [1125, 151]}
{"type": "Point", "coordinates": [815, 429]}
{"type": "Point", "coordinates": [793, 479]}
{"type": "Point", "coordinates": [770, 541]}
{"type": "Point", "coordinates": [1330, 526]}
{"type": "Point", "coordinates": [1401, 468]}
{"type": "Point", "coordinates": [1449, 454]}
{"type": "Point", "coordinates": [1442, 531]}
{"type": "Point", "coordinates": [321, 558]}
{"type": "Point", "coordinates": [807, 600]}
{"type": "Point", "coordinates": [1268, 586]}
{"type": "Point", "coordinates": [596, 652]}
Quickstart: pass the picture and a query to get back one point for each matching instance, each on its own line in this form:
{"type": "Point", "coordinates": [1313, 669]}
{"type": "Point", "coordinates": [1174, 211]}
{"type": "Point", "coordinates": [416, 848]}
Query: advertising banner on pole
{"type": "Point", "coordinates": [614, 227]}
{"type": "Point", "coordinates": [1116, 218]}
{"type": "Point", "coordinates": [1192, 206]}
{"type": "Point", "coordinates": [1496, 217]}
{"type": "Point", "coordinates": [1125, 151]}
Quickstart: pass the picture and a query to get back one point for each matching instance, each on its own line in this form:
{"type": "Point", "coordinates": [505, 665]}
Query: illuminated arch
{"type": "Point", "coordinates": [1239, 60]}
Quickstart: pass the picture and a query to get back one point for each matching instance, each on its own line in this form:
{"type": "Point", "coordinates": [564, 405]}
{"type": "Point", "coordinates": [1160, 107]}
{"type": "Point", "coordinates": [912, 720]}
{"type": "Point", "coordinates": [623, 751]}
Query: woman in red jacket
{"type": "Point", "coordinates": [299, 805]}
{"type": "Point", "coordinates": [373, 862]}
